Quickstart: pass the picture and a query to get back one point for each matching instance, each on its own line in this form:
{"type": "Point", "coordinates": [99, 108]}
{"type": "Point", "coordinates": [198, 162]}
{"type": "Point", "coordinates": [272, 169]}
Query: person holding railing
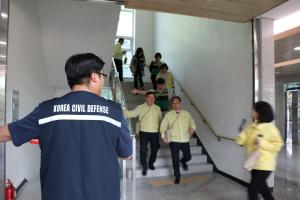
{"type": "Point", "coordinates": [149, 116]}
{"type": "Point", "coordinates": [176, 128]}
{"type": "Point", "coordinates": [118, 57]}
{"type": "Point", "coordinates": [262, 141]}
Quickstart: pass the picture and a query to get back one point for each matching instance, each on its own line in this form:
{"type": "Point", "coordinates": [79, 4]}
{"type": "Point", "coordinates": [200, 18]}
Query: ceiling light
{"type": "Point", "coordinates": [277, 72]}
{"type": "Point", "coordinates": [4, 15]}
{"type": "Point", "coordinates": [297, 48]}
{"type": "Point", "coordinates": [3, 43]}
{"type": "Point", "coordinates": [2, 65]}
{"type": "Point", "coordinates": [2, 56]}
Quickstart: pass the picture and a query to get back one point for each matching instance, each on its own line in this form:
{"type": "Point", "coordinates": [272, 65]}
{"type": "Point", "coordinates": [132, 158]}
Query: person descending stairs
{"type": "Point", "coordinates": [163, 165]}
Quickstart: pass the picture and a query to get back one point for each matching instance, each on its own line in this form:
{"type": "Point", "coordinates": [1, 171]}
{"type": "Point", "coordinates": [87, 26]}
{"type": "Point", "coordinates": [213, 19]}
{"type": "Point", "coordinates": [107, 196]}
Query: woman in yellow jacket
{"type": "Point", "coordinates": [264, 137]}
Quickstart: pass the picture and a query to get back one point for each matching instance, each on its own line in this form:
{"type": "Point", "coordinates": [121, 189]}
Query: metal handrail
{"type": "Point", "coordinates": [219, 137]}
{"type": "Point", "coordinates": [114, 78]}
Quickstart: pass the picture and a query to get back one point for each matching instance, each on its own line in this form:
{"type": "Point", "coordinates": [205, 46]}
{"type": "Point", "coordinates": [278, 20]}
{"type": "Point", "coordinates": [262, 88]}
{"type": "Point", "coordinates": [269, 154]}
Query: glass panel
{"type": "Point", "coordinates": [118, 96]}
{"type": "Point", "coordinates": [125, 26]}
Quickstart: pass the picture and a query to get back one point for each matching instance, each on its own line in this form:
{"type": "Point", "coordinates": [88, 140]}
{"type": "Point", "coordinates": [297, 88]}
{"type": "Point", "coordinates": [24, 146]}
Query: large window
{"type": "Point", "coordinates": [126, 31]}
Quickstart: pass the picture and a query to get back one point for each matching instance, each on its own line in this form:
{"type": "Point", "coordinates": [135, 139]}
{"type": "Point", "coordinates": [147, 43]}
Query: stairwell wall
{"type": "Point", "coordinates": [212, 59]}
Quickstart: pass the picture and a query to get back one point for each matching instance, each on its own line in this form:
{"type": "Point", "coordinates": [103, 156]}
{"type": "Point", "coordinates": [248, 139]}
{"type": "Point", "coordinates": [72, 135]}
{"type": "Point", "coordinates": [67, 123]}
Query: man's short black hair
{"type": "Point", "coordinates": [149, 93]}
{"type": "Point", "coordinates": [160, 81]}
{"type": "Point", "coordinates": [264, 111]}
{"type": "Point", "coordinates": [175, 97]}
{"type": "Point", "coordinates": [79, 68]}
{"type": "Point", "coordinates": [164, 66]}
{"type": "Point", "coordinates": [121, 40]}
{"type": "Point", "coordinates": [157, 55]}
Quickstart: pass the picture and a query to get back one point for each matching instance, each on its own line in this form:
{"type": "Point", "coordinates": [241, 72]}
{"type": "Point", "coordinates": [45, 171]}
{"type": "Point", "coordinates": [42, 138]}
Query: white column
{"type": "Point", "coordinates": [265, 66]}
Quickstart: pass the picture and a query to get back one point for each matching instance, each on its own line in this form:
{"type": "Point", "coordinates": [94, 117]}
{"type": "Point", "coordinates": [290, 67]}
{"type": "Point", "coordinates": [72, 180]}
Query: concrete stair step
{"type": "Point", "coordinates": [165, 151]}
{"type": "Point", "coordinates": [168, 170]}
{"type": "Point", "coordinates": [167, 161]}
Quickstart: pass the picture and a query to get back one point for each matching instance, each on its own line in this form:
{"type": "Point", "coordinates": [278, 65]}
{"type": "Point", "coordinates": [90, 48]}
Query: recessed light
{"type": "Point", "coordinates": [2, 56]}
{"type": "Point", "coordinates": [297, 48]}
{"type": "Point", "coordinates": [4, 15]}
{"type": "Point", "coordinates": [3, 43]}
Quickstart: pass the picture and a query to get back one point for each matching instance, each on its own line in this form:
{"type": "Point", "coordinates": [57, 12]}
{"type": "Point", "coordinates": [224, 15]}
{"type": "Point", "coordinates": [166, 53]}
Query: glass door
{"type": "Point", "coordinates": [293, 115]}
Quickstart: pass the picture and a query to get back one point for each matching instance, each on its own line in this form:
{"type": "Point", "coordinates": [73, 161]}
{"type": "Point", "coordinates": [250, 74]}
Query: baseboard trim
{"type": "Point", "coordinates": [239, 181]}
{"type": "Point", "coordinates": [210, 161]}
{"type": "Point", "coordinates": [21, 185]}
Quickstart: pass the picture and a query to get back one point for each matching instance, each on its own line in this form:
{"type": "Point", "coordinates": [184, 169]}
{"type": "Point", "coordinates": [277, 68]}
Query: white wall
{"type": "Point", "coordinates": [144, 36]}
{"type": "Point", "coordinates": [42, 35]}
{"type": "Point", "coordinates": [213, 61]}
{"type": "Point", "coordinates": [70, 27]}
{"type": "Point", "coordinates": [27, 74]}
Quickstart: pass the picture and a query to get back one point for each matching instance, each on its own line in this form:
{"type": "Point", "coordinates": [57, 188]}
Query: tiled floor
{"type": "Point", "coordinates": [215, 187]}
{"type": "Point", "coordinates": [287, 176]}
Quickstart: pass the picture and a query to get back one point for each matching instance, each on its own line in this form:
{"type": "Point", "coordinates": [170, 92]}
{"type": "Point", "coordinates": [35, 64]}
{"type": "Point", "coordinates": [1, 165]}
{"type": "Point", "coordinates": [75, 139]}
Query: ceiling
{"type": "Point", "coordinates": [229, 10]}
{"type": "Point", "coordinates": [283, 10]}
{"type": "Point", "coordinates": [284, 49]}
{"type": "Point", "coordinates": [285, 54]}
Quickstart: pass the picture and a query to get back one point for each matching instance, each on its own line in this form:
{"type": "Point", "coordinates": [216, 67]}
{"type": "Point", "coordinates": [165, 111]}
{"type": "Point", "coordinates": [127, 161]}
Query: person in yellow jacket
{"type": "Point", "coordinates": [168, 77]}
{"type": "Point", "coordinates": [264, 137]}
{"type": "Point", "coordinates": [149, 116]}
{"type": "Point", "coordinates": [180, 125]}
{"type": "Point", "coordinates": [118, 57]}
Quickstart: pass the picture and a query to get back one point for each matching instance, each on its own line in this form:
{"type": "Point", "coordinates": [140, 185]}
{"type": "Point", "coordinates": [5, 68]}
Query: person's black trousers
{"type": "Point", "coordinates": [153, 79]}
{"type": "Point", "coordinates": [176, 147]}
{"type": "Point", "coordinates": [153, 139]}
{"type": "Point", "coordinates": [258, 185]}
{"type": "Point", "coordinates": [119, 66]}
{"type": "Point", "coordinates": [138, 76]}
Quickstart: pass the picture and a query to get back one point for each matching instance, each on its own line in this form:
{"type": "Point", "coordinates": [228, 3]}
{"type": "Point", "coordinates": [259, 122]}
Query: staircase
{"type": "Point", "coordinates": [163, 164]}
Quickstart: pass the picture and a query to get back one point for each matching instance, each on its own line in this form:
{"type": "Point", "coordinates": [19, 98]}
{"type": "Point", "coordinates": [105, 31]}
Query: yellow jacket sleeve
{"type": "Point", "coordinates": [241, 138]}
{"type": "Point", "coordinates": [164, 126]}
{"type": "Point", "coordinates": [273, 144]}
{"type": "Point", "coordinates": [160, 115]}
{"type": "Point", "coordinates": [192, 123]}
{"type": "Point", "coordinates": [132, 113]}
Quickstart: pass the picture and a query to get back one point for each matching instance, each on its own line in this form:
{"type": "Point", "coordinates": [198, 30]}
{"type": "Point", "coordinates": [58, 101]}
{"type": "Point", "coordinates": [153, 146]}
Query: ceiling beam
{"type": "Point", "coordinates": [287, 33]}
{"type": "Point", "coordinates": [287, 63]}
{"type": "Point", "coordinates": [228, 10]}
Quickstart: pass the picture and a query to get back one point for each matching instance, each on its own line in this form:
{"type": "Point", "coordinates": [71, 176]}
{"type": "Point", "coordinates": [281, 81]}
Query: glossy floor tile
{"type": "Point", "coordinates": [213, 186]}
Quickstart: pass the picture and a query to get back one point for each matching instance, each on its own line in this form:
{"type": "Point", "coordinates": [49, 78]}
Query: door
{"type": "Point", "coordinates": [293, 115]}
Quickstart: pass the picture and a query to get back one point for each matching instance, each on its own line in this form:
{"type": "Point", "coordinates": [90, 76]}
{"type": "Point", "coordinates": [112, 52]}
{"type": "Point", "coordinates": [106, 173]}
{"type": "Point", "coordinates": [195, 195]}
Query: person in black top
{"type": "Point", "coordinates": [81, 136]}
{"type": "Point", "coordinates": [137, 65]}
{"type": "Point", "coordinates": [155, 68]}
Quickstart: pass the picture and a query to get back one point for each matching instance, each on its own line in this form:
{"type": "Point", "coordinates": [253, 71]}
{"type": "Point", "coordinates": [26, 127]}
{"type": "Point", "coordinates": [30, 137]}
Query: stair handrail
{"type": "Point", "coordinates": [219, 137]}
{"type": "Point", "coordinates": [114, 79]}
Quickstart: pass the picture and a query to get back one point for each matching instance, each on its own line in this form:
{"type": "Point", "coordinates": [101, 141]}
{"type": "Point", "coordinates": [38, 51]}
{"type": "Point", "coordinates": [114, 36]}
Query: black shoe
{"type": "Point", "coordinates": [151, 167]}
{"type": "Point", "coordinates": [177, 181]}
{"type": "Point", "coordinates": [144, 171]}
{"type": "Point", "coordinates": [185, 166]}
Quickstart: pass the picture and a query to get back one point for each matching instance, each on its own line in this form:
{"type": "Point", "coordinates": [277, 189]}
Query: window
{"type": "Point", "coordinates": [126, 30]}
